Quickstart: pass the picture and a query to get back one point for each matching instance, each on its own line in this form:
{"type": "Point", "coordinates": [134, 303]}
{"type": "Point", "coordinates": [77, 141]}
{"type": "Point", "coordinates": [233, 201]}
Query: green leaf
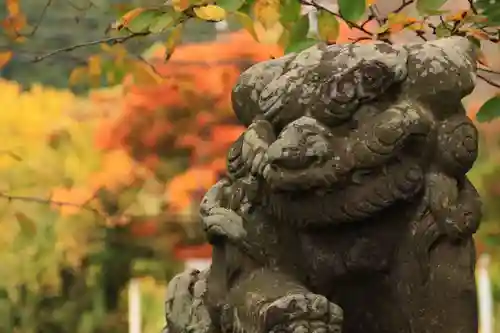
{"type": "Point", "coordinates": [247, 7]}
{"type": "Point", "coordinates": [27, 225]}
{"type": "Point", "coordinates": [491, 240]}
{"type": "Point", "coordinates": [299, 30]}
{"type": "Point", "coordinates": [328, 26]}
{"type": "Point", "coordinates": [143, 21]}
{"type": "Point", "coordinates": [289, 11]}
{"type": "Point", "coordinates": [300, 45]}
{"type": "Point", "coordinates": [352, 10]}
{"type": "Point", "coordinates": [490, 110]}
{"type": "Point", "coordinates": [246, 22]}
{"type": "Point", "coordinates": [492, 13]}
{"type": "Point", "coordinates": [443, 30]}
{"type": "Point", "coordinates": [230, 5]}
{"type": "Point", "coordinates": [164, 21]}
{"type": "Point", "coordinates": [173, 40]}
{"type": "Point", "coordinates": [430, 6]}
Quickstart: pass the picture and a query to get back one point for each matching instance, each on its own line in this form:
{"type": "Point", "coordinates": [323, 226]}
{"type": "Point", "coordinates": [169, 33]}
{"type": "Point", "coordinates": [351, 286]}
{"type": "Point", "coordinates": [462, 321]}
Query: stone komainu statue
{"type": "Point", "coordinates": [346, 207]}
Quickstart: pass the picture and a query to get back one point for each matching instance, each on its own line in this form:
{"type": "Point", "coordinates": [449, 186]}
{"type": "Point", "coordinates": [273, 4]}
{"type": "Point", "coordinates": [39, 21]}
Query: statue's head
{"type": "Point", "coordinates": [329, 102]}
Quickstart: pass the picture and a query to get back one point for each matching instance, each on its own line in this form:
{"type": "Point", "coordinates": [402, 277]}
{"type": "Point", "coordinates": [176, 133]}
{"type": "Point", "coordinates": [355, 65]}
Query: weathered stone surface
{"type": "Point", "coordinates": [347, 190]}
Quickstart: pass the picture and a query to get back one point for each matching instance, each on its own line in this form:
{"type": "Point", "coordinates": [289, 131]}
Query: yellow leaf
{"type": "Point", "coordinates": [210, 13]}
{"type": "Point", "coordinates": [143, 74]}
{"type": "Point", "coordinates": [13, 7]}
{"type": "Point", "coordinates": [459, 16]}
{"type": "Point", "coordinates": [418, 26]}
{"type": "Point", "coordinates": [94, 66]}
{"type": "Point", "coordinates": [399, 21]}
{"type": "Point", "coordinates": [284, 39]}
{"type": "Point", "coordinates": [180, 5]}
{"type": "Point", "coordinates": [328, 26]}
{"type": "Point", "coordinates": [125, 19]}
{"type": "Point", "coordinates": [270, 35]}
{"type": "Point", "coordinates": [5, 57]}
{"type": "Point", "coordinates": [78, 75]}
{"type": "Point", "coordinates": [267, 12]}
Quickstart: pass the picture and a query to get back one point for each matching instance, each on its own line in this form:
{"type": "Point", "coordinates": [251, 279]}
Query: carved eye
{"type": "Point", "coordinates": [373, 79]}
{"type": "Point", "coordinates": [344, 90]}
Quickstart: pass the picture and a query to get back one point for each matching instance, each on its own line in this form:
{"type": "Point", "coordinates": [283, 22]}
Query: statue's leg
{"type": "Point", "coordinates": [444, 300]}
{"type": "Point", "coordinates": [184, 308]}
{"type": "Point", "coordinates": [243, 297]}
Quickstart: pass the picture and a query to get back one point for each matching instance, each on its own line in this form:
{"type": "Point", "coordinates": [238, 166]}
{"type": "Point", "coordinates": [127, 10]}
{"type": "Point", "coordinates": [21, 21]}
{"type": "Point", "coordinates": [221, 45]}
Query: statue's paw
{"type": "Point", "coordinates": [292, 311]}
{"type": "Point", "coordinates": [224, 222]}
{"type": "Point", "coordinates": [307, 326]}
{"type": "Point", "coordinates": [256, 140]}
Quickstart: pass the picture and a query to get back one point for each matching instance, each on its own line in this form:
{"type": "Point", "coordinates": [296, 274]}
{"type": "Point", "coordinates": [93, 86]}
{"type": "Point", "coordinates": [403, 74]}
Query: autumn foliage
{"type": "Point", "coordinates": [185, 117]}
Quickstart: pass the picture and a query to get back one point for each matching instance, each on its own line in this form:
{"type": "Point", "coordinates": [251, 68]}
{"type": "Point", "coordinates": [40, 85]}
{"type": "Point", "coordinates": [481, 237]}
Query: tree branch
{"type": "Point", "coordinates": [403, 5]}
{"type": "Point", "coordinates": [488, 70]}
{"type": "Point", "coordinates": [472, 7]}
{"type": "Point", "coordinates": [108, 40]}
{"type": "Point", "coordinates": [48, 202]}
{"type": "Point", "coordinates": [40, 19]}
{"type": "Point", "coordinates": [489, 81]}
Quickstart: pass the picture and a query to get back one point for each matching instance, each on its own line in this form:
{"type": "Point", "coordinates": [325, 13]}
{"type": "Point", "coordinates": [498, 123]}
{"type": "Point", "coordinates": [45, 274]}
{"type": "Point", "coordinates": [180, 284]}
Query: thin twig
{"type": "Point", "coordinates": [376, 15]}
{"type": "Point", "coordinates": [80, 9]}
{"type": "Point", "coordinates": [368, 20]}
{"type": "Point", "coordinates": [403, 5]}
{"type": "Point", "coordinates": [488, 70]}
{"type": "Point", "coordinates": [472, 7]}
{"type": "Point", "coordinates": [40, 19]}
{"type": "Point", "coordinates": [359, 39]}
{"type": "Point", "coordinates": [489, 81]}
{"type": "Point", "coordinates": [47, 202]}
{"type": "Point", "coordinates": [108, 40]}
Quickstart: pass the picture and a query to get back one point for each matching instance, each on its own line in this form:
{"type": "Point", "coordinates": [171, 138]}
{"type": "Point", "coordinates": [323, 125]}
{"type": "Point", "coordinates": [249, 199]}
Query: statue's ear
{"type": "Point", "coordinates": [442, 71]}
{"type": "Point", "coordinates": [246, 92]}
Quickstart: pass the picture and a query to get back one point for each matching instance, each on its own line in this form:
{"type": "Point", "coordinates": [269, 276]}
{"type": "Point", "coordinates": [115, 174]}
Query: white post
{"type": "Point", "coordinates": [485, 296]}
{"type": "Point", "coordinates": [134, 307]}
{"type": "Point", "coordinates": [199, 264]}
{"type": "Point", "coordinates": [221, 26]}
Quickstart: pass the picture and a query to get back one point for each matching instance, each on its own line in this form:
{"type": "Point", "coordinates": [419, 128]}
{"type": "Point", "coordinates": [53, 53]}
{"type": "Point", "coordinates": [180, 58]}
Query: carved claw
{"type": "Point", "coordinates": [457, 214]}
{"type": "Point", "coordinates": [224, 222]}
{"type": "Point", "coordinates": [302, 313]}
{"type": "Point", "coordinates": [256, 140]}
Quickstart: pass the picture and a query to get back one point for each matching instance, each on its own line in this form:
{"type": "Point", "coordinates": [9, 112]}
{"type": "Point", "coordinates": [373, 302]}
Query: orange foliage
{"type": "Point", "coordinates": [146, 228]}
{"type": "Point", "coordinates": [70, 200]}
{"type": "Point", "coordinates": [347, 34]}
{"type": "Point", "coordinates": [181, 189]}
{"type": "Point", "coordinates": [189, 111]}
{"type": "Point", "coordinates": [117, 169]}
